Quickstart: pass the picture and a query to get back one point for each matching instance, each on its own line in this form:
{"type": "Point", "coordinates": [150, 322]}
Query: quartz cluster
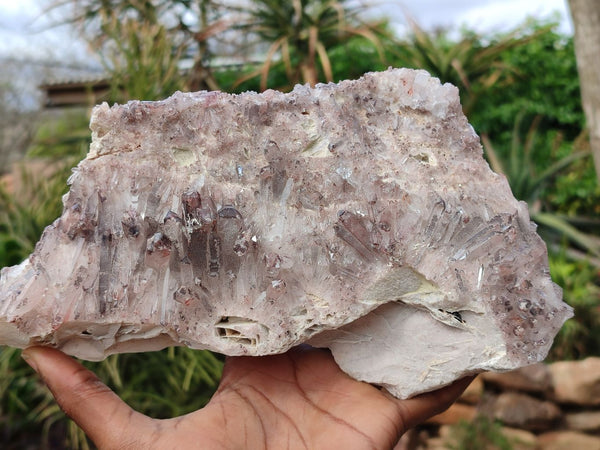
{"type": "Point", "coordinates": [358, 216]}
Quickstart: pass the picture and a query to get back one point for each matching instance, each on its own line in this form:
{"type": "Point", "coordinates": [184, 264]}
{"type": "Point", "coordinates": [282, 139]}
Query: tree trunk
{"type": "Point", "coordinates": [586, 19]}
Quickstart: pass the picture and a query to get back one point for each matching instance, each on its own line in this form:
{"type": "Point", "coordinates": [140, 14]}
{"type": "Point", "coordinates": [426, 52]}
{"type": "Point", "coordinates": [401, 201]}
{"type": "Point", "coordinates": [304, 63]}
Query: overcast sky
{"type": "Point", "coordinates": [481, 15]}
{"type": "Point", "coordinates": [22, 20]}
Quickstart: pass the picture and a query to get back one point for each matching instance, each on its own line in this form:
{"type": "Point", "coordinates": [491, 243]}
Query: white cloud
{"type": "Point", "coordinates": [482, 15]}
{"type": "Point", "coordinates": [504, 15]}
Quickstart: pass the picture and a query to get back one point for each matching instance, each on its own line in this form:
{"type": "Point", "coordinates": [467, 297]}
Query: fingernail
{"type": "Point", "coordinates": [29, 360]}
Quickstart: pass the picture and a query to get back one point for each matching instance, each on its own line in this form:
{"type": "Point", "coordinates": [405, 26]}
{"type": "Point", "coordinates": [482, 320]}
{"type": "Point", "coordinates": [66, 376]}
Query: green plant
{"type": "Point", "coordinates": [543, 82]}
{"type": "Point", "coordinates": [22, 398]}
{"type": "Point", "coordinates": [174, 381]}
{"type": "Point", "coordinates": [299, 34]}
{"type": "Point", "coordinates": [180, 27]}
{"type": "Point", "coordinates": [162, 384]}
{"type": "Point", "coordinates": [473, 64]}
{"type": "Point", "coordinates": [34, 200]}
{"type": "Point", "coordinates": [577, 192]}
{"type": "Point", "coordinates": [25, 213]}
{"type": "Point", "coordinates": [142, 60]}
{"type": "Point", "coordinates": [528, 182]}
{"type": "Point", "coordinates": [63, 139]}
{"type": "Point", "coordinates": [480, 433]}
{"type": "Point", "coordinates": [580, 282]}
{"type": "Point", "coordinates": [356, 56]}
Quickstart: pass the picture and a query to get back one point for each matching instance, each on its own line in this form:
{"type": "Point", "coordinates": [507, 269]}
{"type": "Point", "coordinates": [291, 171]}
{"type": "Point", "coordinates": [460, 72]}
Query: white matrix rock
{"type": "Point", "coordinates": [360, 217]}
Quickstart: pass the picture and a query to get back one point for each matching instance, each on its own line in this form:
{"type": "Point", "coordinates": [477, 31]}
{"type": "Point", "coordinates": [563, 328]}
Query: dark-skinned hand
{"type": "Point", "coordinates": [297, 400]}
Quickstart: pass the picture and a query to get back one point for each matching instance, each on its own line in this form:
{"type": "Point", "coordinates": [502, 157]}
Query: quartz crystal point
{"type": "Point", "coordinates": [360, 217]}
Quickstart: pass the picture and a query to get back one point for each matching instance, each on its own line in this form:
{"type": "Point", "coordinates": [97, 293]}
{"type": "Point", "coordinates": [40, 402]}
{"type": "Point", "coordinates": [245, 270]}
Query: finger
{"type": "Point", "coordinates": [100, 413]}
{"type": "Point", "coordinates": [420, 408]}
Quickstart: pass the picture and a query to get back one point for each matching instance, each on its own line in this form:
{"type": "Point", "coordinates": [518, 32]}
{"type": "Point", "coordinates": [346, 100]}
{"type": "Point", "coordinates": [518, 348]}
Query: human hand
{"type": "Point", "coordinates": [300, 399]}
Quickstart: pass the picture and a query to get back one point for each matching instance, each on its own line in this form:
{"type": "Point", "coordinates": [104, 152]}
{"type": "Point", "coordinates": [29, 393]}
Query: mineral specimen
{"type": "Point", "coordinates": [359, 216]}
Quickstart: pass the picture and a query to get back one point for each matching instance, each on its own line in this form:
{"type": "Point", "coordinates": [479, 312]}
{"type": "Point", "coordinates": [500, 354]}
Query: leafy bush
{"type": "Point", "coordinates": [576, 193]}
{"type": "Point", "coordinates": [580, 281]}
{"type": "Point", "coordinates": [543, 82]}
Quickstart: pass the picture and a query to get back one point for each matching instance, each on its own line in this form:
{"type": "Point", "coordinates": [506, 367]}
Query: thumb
{"type": "Point", "coordinates": [100, 413]}
{"type": "Point", "coordinates": [420, 408]}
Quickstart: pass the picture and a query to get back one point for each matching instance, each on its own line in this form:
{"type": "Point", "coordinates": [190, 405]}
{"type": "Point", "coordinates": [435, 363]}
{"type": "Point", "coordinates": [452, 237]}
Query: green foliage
{"type": "Point", "coordinates": [349, 60]}
{"type": "Point", "coordinates": [22, 399]}
{"type": "Point", "coordinates": [300, 34]}
{"type": "Point", "coordinates": [577, 193]}
{"type": "Point", "coordinates": [473, 63]}
{"type": "Point", "coordinates": [142, 61]}
{"type": "Point", "coordinates": [356, 56]}
{"type": "Point", "coordinates": [40, 185]}
{"type": "Point", "coordinates": [544, 82]}
{"type": "Point", "coordinates": [127, 27]}
{"type": "Point", "coordinates": [481, 433]}
{"type": "Point", "coordinates": [246, 79]}
{"type": "Point", "coordinates": [528, 182]}
{"type": "Point", "coordinates": [580, 281]}
{"type": "Point", "coordinates": [173, 382]}
{"type": "Point", "coordinates": [65, 138]}
{"type": "Point", "coordinates": [24, 216]}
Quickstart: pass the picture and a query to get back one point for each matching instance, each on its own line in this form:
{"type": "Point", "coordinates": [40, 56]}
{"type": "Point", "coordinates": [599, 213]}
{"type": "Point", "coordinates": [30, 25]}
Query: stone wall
{"type": "Point", "coordinates": [543, 406]}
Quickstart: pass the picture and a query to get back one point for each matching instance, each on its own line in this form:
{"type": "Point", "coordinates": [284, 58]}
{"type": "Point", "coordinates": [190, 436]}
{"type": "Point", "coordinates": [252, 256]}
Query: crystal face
{"type": "Point", "coordinates": [359, 216]}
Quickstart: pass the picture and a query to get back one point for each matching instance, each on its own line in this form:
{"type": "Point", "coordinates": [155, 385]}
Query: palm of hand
{"type": "Point", "coordinates": [300, 399]}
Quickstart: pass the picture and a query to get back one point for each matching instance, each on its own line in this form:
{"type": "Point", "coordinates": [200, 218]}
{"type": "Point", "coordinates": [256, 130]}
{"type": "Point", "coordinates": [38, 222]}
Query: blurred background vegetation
{"type": "Point", "coordinates": [520, 91]}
